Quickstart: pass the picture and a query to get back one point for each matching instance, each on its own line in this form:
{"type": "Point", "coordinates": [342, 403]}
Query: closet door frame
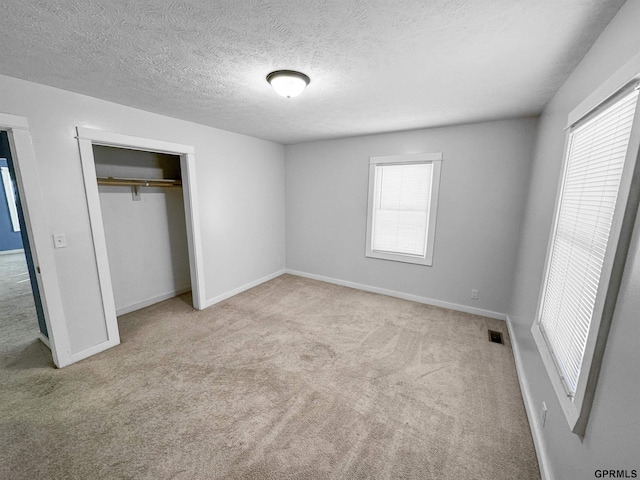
{"type": "Point", "coordinates": [87, 138]}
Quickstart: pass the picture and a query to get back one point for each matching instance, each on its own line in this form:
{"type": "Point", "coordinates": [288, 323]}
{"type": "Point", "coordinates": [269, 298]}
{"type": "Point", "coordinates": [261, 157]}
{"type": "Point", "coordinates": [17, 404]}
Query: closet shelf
{"type": "Point", "coordinates": [139, 182]}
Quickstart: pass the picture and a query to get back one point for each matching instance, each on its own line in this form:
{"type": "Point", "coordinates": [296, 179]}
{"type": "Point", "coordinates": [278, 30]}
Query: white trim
{"type": "Point", "coordinates": [435, 159]}
{"type": "Point", "coordinates": [33, 208]}
{"type": "Point", "coordinates": [525, 389]}
{"type": "Point", "coordinates": [10, 195]}
{"type": "Point", "coordinates": [13, 122]}
{"type": "Point", "coordinates": [101, 347]}
{"type": "Point", "coordinates": [99, 240]}
{"type": "Point", "coordinates": [433, 210]}
{"type": "Point", "coordinates": [404, 296]}
{"type": "Point", "coordinates": [570, 410]}
{"type": "Point", "coordinates": [87, 137]}
{"type": "Point", "coordinates": [11, 252]}
{"type": "Point", "coordinates": [194, 238]}
{"type": "Point", "coordinates": [625, 75]}
{"type": "Point", "coordinates": [112, 139]}
{"type": "Point", "coordinates": [151, 301]}
{"type": "Point", "coordinates": [409, 158]}
{"type": "Point", "coordinates": [44, 340]}
{"type": "Point", "coordinates": [244, 287]}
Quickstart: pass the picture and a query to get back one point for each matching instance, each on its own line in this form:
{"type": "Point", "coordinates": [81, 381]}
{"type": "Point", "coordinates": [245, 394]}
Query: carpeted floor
{"type": "Point", "coordinates": [18, 319]}
{"type": "Point", "coordinates": [294, 379]}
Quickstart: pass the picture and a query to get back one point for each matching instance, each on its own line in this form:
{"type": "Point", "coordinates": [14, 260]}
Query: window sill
{"type": "Point", "coordinates": [398, 257]}
{"type": "Point", "coordinates": [570, 407]}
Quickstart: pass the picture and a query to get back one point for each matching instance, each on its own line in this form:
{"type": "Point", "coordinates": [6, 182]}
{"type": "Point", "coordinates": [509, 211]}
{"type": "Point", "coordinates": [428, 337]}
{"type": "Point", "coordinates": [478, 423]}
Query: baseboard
{"type": "Point", "coordinates": [44, 340]}
{"type": "Point", "coordinates": [529, 407]}
{"type": "Point", "coordinates": [244, 287]}
{"type": "Point", "coordinates": [11, 252]}
{"type": "Point", "coordinates": [151, 301]}
{"type": "Point", "coordinates": [76, 357]}
{"type": "Point", "coordinates": [404, 296]}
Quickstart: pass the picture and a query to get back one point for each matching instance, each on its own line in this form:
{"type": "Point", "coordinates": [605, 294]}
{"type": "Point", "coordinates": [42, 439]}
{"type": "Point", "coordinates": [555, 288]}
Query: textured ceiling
{"type": "Point", "coordinates": [375, 66]}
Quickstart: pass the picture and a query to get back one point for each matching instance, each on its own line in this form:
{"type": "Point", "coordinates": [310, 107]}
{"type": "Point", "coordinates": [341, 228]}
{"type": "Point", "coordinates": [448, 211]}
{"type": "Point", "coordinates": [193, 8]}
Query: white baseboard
{"type": "Point", "coordinates": [11, 252]}
{"type": "Point", "coordinates": [404, 296]}
{"type": "Point", "coordinates": [76, 357]}
{"type": "Point", "coordinates": [151, 301]}
{"type": "Point", "coordinates": [241, 289]}
{"type": "Point", "coordinates": [44, 340]}
{"type": "Point", "coordinates": [534, 423]}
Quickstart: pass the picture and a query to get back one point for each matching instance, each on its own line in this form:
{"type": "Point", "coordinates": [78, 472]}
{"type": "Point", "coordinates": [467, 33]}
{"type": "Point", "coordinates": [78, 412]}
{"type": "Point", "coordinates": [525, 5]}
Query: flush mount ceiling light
{"type": "Point", "coordinates": [288, 83]}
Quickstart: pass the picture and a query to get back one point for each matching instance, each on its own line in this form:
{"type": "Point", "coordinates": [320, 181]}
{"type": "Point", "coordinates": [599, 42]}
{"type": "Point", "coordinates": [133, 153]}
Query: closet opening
{"type": "Point", "coordinates": [141, 196]}
{"type": "Point", "coordinates": [144, 223]}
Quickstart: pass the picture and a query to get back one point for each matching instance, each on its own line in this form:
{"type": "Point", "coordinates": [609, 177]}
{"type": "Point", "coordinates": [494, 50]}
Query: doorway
{"type": "Point", "coordinates": [21, 315]}
{"type": "Point", "coordinates": [24, 320]}
{"type": "Point", "coordinates": [36, 238]}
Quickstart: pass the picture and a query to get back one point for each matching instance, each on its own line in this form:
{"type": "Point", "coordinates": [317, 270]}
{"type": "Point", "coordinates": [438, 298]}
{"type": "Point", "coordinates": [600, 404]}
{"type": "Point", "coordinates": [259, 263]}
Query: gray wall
{"type": "Point", "coordinates": [146, 239]}
{"type": "Point", "coordinates": [611, 439]}
{"type": "Point", "coordinates": [240, 182]}
{"type": "Point", "coordinates": [481, 201]}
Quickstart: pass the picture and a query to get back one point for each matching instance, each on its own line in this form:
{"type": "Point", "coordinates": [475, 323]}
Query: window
{"type": "Point", "coordinates": [593, 223]}
{"type": "Point", "coordinates": [403, 195]}
{"type": "Point", "coordinates": [10, 194]}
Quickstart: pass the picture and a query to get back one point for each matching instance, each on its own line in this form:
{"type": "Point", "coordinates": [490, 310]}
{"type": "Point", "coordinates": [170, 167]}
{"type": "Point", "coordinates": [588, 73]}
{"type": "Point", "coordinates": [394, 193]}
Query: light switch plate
{"type": "Point", "coordinates": [59, 240]}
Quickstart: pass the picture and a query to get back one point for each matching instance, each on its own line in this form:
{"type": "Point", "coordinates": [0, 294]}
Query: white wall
{"type": "Point", "coordinates": [146, 238]}
{"type": "Point", "coordinates": [611, 439]}
{"type": "Point", "coordinates": [240, 184]}
{"type": "Point", "coordinates": [482, 196]}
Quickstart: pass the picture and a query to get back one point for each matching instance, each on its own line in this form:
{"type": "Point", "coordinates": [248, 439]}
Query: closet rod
{"type": "Point", "coordinates": [138, 182]}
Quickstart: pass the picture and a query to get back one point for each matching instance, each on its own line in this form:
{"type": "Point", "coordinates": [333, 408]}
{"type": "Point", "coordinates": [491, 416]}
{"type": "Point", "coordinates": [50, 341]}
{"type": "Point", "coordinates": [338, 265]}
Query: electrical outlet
{"type": "Point", "coordinates": [474, 294]}
{"type": "Point", "coordinates": [543, 414]}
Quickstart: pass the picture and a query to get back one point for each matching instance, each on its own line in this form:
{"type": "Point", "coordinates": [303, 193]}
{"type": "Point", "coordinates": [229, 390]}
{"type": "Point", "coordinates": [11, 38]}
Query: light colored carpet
{"type": "Point", "coordinates": [18, 318]}
{"type": "Point", "coordinates": [294, 379]}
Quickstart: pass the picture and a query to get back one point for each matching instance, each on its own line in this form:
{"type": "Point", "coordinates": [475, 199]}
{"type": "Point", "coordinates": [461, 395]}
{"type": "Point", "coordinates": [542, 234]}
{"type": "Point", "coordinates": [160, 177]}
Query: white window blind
{"type": "Point", "coordinates": [401, 208]}
{"type": "Point", "coordinates": [593, 172]}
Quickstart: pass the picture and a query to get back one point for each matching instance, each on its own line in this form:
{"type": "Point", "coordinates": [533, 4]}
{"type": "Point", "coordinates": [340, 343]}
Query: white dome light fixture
{"type": "Point", "coordinates": [288, 83]}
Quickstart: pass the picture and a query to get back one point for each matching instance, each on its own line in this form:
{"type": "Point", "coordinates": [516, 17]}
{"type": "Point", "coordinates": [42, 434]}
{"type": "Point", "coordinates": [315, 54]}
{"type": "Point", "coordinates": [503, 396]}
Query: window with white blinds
{"type": "Point", "coordinates": [402, 198]}
{"type": "Point", "coordinates": [594, 168]}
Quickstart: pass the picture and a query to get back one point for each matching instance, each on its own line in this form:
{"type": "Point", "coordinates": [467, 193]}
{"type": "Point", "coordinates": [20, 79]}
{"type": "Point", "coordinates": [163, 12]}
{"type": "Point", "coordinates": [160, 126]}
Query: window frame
{"type": "Point", "coordinates": [576, 408]}
{"type": "Point", "coordinates": [435, 159]}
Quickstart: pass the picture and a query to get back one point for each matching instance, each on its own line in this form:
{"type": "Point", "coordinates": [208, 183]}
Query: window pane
{"type": "Point", "coordinates": [401, 208]}
{"type": "Point", "coordinates": [595, 162]}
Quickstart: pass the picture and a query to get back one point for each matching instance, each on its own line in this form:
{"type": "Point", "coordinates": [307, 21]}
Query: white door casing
{"type": "Point", "coordinates": [88, 137]}
{"type": "Point", "coordinates": [33, 209]}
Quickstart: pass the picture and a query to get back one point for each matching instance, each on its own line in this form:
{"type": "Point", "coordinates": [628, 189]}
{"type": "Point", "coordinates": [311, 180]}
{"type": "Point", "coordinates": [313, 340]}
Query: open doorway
{"type": "Point", "coordinates": [27, 186]}
{"type": "Point", "coordinates": [22, 319]}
